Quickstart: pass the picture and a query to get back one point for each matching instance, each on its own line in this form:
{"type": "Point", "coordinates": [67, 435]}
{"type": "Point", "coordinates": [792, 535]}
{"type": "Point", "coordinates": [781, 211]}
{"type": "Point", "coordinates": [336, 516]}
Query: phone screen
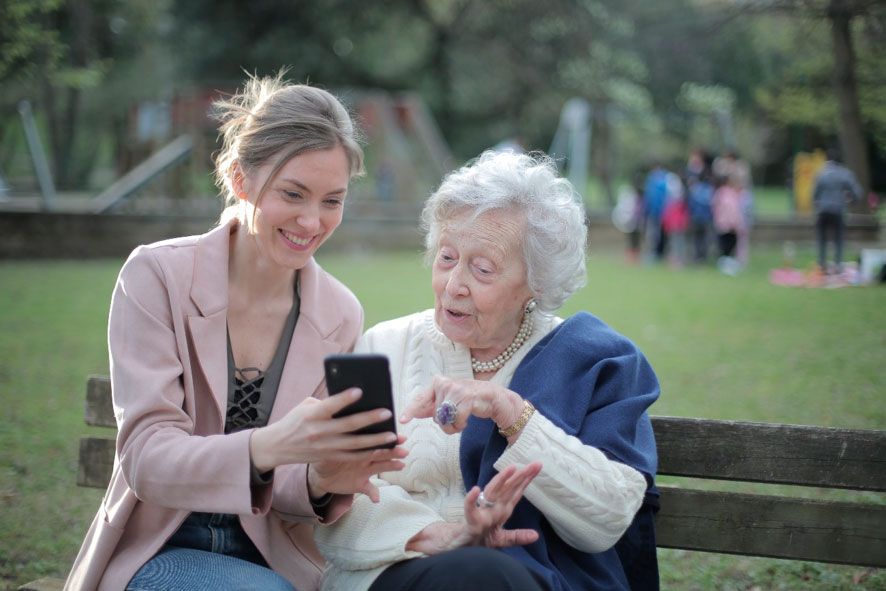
{"type": "Point", "coordinates": [370, 373]}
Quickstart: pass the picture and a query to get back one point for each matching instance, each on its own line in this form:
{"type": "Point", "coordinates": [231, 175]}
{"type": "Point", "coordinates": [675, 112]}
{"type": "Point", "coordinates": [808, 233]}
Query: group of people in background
{"type": "Point", "coordinates": [707, 209]}
{"type": "Point", "coordinates": [704, 210]}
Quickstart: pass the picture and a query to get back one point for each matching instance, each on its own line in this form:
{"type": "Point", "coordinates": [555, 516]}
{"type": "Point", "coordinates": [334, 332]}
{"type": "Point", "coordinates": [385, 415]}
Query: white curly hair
{"type": "Point", "coordinates": [555, 240]}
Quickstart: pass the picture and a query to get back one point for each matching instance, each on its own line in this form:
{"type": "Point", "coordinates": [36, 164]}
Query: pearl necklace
{"type": "Point", "coordinates": [497, 363]}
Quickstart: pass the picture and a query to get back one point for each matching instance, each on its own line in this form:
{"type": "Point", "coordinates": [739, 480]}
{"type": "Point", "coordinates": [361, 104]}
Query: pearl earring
{"type": "Point", "coordinates": [530, 307]}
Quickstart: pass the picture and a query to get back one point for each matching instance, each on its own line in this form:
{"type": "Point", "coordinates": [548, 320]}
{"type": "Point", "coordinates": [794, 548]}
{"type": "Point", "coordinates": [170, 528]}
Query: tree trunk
{"type": "Point", "coordinates": [80, 28]}
{"type": "Point", "coordinates": [602, 149]}
{"type": "Point", "coordinates": [852, 138]}
{"type": "Point", "coordinates": [64, 162]}
{"type": "Point", "coordinates": [441, 67]}
{"type": "Point", "coordinates": [53, 127]}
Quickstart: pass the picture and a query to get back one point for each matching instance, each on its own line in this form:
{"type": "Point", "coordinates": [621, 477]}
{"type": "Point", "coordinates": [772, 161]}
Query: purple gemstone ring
{"type": "Point", "coordinates": [446, 413]}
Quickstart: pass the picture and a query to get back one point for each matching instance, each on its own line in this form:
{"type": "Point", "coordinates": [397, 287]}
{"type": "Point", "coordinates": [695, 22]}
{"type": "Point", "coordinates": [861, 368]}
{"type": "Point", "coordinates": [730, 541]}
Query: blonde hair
{"type": "Point", "coordinates": [269, 118]}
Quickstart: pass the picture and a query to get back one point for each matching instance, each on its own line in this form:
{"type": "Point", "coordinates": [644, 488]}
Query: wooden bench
{"type": "Point", "coordinates": [692, 518]}
{"type": "Point", "coordinates": [766, 525]}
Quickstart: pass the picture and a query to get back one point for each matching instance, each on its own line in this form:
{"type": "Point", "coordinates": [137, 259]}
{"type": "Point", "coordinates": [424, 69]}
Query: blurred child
{"type": "Point", "coordinates": [701, 191]}
{"type": "Point", "coordinates": [675, 220]}
{"type": "Point", "coordinates": [655, 195]}
{"type": "Point", "coordinates": [628, 216]}
{"type": "Point", "coordinates": [727, 207]}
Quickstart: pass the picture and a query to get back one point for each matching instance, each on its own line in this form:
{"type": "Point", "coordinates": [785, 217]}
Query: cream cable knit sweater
{"type": "Point", "coordinates": [589, 499]}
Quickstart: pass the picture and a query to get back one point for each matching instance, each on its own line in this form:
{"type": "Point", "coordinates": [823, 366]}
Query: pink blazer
{"type": "Point", "coordinates": [168, 350]}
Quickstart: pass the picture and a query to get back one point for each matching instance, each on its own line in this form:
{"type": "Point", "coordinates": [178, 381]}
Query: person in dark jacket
{"type": "Point", "coordinates": [835, 186]}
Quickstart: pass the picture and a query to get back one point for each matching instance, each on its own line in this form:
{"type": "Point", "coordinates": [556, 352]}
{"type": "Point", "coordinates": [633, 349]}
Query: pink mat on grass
{"type": "Point", "coordinates": [790, 277]}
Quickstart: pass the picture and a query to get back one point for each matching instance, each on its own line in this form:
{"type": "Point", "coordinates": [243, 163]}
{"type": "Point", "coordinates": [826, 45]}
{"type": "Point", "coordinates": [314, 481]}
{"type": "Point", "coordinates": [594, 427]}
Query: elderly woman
{"type": "Point", "coordinates": [531, 451]}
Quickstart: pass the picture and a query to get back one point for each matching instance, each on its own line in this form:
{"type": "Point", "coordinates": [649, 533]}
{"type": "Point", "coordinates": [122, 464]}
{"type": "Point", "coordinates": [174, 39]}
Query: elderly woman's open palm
{"type": "Point", "coordinates": [486, 512]}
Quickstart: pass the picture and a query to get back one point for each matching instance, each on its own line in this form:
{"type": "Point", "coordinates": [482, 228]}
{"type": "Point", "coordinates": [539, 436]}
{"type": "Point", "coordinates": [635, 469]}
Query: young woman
{"type": "Point", "coordinates": [227, 452]}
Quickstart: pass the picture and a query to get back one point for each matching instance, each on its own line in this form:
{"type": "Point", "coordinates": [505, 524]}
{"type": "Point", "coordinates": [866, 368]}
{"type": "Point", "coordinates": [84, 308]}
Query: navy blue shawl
{"type": "Point", "coordinates": [595, 384]}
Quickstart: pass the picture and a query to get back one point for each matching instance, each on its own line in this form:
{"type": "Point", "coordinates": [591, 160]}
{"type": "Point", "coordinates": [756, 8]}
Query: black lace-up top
{"type": "Point", "coordinates": [251, 391]}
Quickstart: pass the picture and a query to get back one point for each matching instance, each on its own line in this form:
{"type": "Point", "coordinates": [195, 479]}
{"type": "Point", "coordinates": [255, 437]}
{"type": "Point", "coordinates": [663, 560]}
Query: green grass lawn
{"type": "Point", "coordinates": [723, 347]}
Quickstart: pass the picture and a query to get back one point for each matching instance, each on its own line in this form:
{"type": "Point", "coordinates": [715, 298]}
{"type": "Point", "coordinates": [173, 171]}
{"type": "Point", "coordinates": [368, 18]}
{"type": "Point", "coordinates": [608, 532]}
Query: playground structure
{"type": "Point", "coordinates": [406, 156]}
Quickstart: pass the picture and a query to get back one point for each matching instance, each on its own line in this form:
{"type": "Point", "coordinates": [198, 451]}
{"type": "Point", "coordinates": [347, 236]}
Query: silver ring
{"type": "Point", "coordinates": [446, 413]}
{"type": "Point", "coordinates": [482, 501]}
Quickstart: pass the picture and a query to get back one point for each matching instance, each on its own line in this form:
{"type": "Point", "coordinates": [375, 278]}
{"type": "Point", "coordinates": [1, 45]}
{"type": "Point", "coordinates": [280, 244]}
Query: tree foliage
{"type": "Point", "coordinates": [832, 83]}
{"type": "Point", "coordinates": [82, 64]}
{"type": "Point", "coordinates": [660, 76]}
{"type": "Point", "coordinates": [25, 44]}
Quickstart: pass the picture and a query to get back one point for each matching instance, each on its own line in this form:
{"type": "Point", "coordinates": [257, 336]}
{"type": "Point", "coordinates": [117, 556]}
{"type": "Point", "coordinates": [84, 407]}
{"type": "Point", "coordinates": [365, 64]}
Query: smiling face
{"type": "Point", "coordinates": [479, 281]}
{"type": "Point", "coordinates": [301, 205]}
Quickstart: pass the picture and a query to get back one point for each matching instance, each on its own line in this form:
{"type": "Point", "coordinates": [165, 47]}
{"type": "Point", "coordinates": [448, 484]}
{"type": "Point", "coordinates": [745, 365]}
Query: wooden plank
{"type": "Point", "coordinates": [99, 409]}
{"type": "Point", "coordinates": [780, 454]}
{"type": "Point", "coordinates": [96, 462]}
{"type": "Point", "coordinates": [778, 527]}
{"type": "Point", "coordinates": [45, 584]}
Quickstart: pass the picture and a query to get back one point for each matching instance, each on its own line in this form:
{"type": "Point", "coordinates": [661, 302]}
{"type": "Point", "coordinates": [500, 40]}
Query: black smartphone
{"type": "Point", "coordinates": [370, 373]}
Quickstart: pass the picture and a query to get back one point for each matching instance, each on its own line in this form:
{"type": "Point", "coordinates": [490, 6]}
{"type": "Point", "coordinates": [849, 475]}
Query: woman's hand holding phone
{"type": "Point", "coordinates": [354, 476]}
{"type": "Point", "coordinates": [369, 372]}
{"type": "Point", "coordinates": [340, 461]}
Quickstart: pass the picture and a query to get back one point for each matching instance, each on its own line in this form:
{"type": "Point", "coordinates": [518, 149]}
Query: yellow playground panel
{"type": "Point", "coordinates": [806, 166]}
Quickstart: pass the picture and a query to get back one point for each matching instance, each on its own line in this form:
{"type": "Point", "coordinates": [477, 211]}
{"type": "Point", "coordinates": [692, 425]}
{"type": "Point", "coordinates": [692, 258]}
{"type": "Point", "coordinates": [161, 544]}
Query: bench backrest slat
{"type": "Point", "coordinates": [96, 462]}
{"type": "Point", "coordinates": [779, 527]}
{"type": "Point", "coordinates": [776, 454]}
{"type": "Point", "coordinates": [99, 407]}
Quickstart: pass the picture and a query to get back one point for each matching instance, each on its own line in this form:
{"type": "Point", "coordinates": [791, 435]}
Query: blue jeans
{"type": "Point", "coordinates": [209, 551]}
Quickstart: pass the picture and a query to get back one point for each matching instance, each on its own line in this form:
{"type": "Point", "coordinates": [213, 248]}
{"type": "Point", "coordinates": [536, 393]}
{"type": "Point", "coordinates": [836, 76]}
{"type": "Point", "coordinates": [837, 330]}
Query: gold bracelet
{"type": "Point", "coordinates": [528, 409]}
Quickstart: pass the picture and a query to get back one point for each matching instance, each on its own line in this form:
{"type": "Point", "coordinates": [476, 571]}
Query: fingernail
{"type": "Point", "coordinates": [391, 437]}
{"type": "Point", "coordinates": [356, 393]}
{"type": "Point", "coordinates": [384, 414]}
{"type": "Point", "coordinates": [403, 418]}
